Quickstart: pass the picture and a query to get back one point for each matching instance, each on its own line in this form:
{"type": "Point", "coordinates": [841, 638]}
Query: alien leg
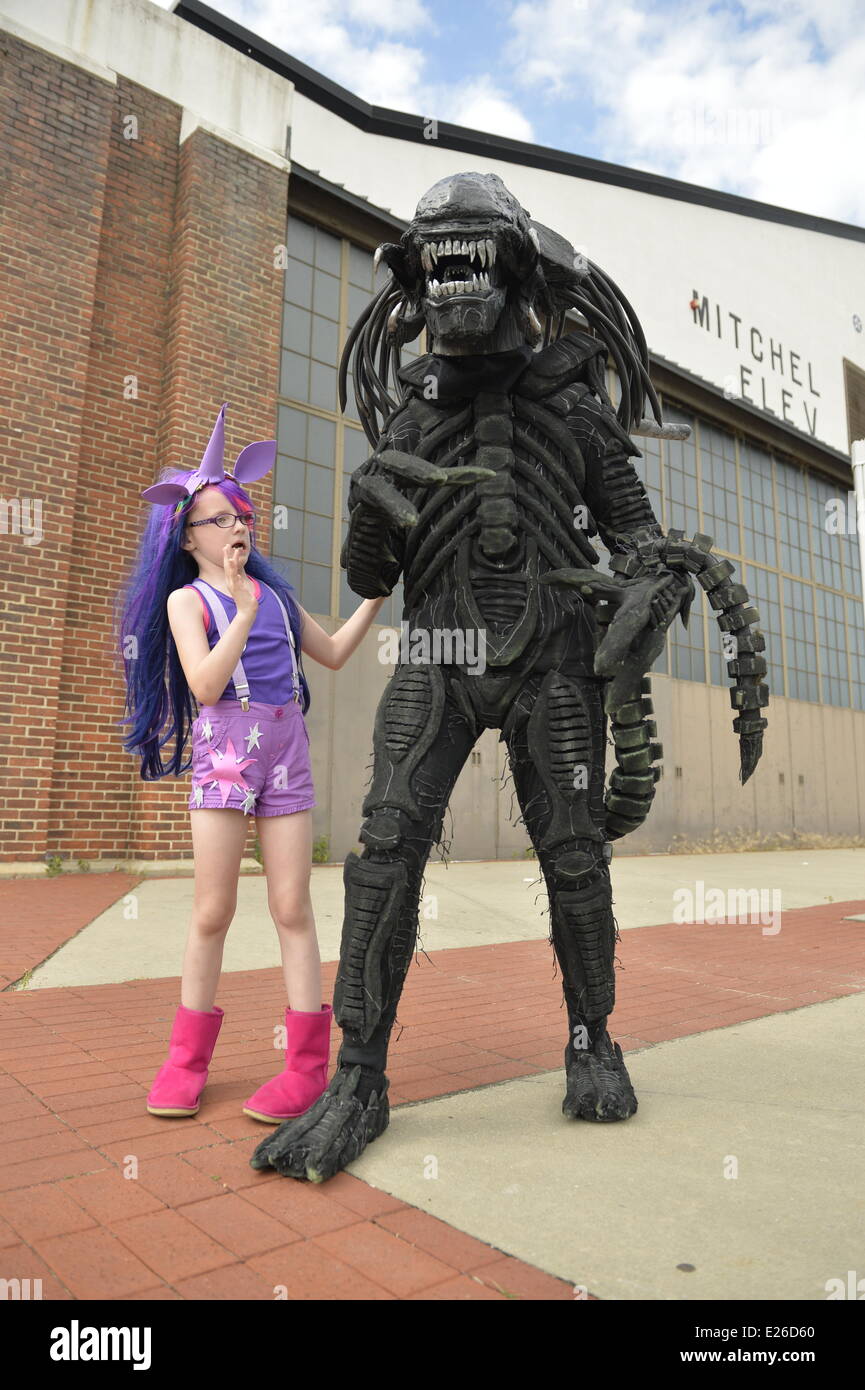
{"type": "Point", "coordinates": [556, 741]}
{"type": "Point", "coordinates": [421, 739]}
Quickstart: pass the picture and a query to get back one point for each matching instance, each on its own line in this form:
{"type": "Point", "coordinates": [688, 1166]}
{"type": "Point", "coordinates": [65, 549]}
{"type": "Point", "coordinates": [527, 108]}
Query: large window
{"type": "Point", "coordinates": [328, 282]}
{"type": "Point", "coordinates": [768, 514]}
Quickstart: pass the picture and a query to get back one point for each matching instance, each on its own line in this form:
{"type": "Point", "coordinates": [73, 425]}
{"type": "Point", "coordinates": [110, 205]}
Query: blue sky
{"type": "Point", "coordinates": [764, 98]}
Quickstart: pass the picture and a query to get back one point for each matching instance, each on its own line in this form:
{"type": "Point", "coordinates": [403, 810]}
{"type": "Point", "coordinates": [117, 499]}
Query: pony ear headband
{"type": "Point", "coordinates": [251, 464]}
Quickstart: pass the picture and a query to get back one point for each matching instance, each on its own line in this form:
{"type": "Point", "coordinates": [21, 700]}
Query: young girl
{"type": "Point", "coordinates": [206, 616]}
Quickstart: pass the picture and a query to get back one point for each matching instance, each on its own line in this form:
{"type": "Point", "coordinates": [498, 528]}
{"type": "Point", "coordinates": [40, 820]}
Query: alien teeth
{"type": "Point", "coordinates": [483, 251]}
{"type": "Point", "coordinates": [479, 284]}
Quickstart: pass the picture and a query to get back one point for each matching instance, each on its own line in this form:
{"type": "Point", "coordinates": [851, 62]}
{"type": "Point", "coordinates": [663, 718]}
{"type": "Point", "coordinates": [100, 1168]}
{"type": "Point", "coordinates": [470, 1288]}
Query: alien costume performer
{"type": "Point", "coordinates": [493, 467]}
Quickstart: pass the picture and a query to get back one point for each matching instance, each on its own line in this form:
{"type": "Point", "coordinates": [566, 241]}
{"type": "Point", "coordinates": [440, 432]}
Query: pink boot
{"type": "Point", "coordinates": [305, 1076]}
{"type": "Point", "coordinates": [180, 1081]}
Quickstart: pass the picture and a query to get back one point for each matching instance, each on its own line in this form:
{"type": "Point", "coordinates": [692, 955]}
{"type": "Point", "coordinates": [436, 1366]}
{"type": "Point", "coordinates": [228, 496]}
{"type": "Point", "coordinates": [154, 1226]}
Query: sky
{"type": "Point", "coordinates": [762, 98]}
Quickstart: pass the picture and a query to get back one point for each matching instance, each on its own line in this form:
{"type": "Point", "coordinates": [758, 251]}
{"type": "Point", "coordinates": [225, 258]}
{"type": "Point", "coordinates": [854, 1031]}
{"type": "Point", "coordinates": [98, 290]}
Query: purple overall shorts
{"type": "Point", "coordinates": [255, 761]}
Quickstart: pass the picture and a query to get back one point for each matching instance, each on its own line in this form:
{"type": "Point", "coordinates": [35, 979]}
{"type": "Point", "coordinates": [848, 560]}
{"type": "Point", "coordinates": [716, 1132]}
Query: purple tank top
{"type": "Point", "coordinates": [267, 658]}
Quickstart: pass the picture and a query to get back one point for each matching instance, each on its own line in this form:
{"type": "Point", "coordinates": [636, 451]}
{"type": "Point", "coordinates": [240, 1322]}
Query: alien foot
{"type": "Point", "coordinates": [599, 1087]}
{"type": "Point", "coordinates": [330, 1135]}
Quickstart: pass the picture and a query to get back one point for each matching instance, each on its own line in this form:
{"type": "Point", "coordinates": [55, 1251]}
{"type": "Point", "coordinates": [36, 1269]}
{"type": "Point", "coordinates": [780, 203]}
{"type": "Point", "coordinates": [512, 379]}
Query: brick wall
{"type": "Point", "coordinates": [140, 292]}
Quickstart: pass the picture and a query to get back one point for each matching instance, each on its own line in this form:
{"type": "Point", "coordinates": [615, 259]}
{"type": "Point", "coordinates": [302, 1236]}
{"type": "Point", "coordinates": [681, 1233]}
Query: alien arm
{"type": "Point", "coordinates": [621, 510]}
{"type": "Point", "coordinates": [373, 549]}
{"type": "Point", "coordinates": [615, 494]}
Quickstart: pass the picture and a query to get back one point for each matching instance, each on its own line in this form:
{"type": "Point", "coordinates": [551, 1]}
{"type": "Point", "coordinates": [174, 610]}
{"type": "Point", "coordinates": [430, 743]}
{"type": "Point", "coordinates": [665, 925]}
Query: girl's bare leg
{"type": "Point", "coordinates": [218, 839]}
{"type": "Point", "coordinates": [286, 850]}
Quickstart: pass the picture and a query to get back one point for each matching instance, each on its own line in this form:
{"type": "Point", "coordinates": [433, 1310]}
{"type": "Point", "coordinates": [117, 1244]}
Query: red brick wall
{"type": "Point", "coordinates": [124, 259]}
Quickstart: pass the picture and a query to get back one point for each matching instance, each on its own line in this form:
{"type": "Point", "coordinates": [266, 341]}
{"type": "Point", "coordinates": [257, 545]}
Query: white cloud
{"type": "Point", "coordinates": [740, 99]}
{"type": "Point", "coordinates": [479, 105]}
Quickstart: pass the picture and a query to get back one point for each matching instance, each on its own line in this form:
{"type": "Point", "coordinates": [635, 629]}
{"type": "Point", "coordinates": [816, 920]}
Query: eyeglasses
{"type": "Point", "coordinates": [226, 519]}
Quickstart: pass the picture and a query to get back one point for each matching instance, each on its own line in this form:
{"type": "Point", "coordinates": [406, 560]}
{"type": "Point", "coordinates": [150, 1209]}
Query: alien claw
{"type": "Point", "coordinates": [332, 1133]}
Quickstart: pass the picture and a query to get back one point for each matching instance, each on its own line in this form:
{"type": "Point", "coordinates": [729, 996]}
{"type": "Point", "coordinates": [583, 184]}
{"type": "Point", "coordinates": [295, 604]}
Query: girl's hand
{"type": "Point", "coordinates": [238, 582]}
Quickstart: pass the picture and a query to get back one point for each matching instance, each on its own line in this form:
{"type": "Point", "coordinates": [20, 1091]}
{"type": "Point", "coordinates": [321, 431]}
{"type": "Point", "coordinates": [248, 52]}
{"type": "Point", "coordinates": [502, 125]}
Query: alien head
{"type": "Point", "coordinates": [469, 267]}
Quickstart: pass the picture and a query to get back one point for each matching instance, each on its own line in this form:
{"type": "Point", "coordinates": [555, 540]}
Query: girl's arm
{"type": "Point", "coordinates": [207, 670]}
{"type": "Point", "coordinates": [335, 651]}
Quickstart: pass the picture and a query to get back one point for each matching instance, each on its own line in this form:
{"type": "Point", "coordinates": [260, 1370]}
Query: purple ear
{"type": "Point", "coordinates": [165, 493]}
{"type": "Point", "coordinates": [255, 460]}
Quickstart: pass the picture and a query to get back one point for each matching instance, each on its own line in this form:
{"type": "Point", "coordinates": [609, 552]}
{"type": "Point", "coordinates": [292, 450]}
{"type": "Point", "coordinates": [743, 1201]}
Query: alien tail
{"type": "Point", "coordinates": [632, 782]}
{"type": "Point", "coordinates": [736, 617]}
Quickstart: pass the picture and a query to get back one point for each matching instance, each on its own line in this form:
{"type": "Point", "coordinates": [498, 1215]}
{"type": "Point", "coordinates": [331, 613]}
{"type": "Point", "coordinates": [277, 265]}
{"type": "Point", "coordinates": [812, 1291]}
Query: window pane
{"type": "Point", "coordinates": [792, 492]}
{"type": "Point", "coordinates": [315, 589]}
{"type": "Point", "coordinates": [852, 574]}
{"type": "Point", "coordinates": [325, 294]}
{"type": "Point", "coordinates": [356, 449]}
{"type": "Point", "coordinates": [758, 508]}
{"type": "Point", "coordinates": [348, 599]}
{"type": "Point", "coordinates": [360, 268]}
{"type": "Point", "coordinates": [287, 536]}
{"type": "Point", "coordinates": [856, 637]}
{"type": "Point", "coordinates": [680, 475]}
{"type": "Point", "coordinates": [801, 640]}
{"type": "Point", "coordinates": [322, 441]}
{"type": "Point", "coordinates": [648, 470]}
{"type": "Point", "coordinates": [294, 376]}
{"type": "Point", "coordinates": [327, 251]}
{"type": "Point", "coordinates": [319, 489]}
{"type": "Point", "coordinates": [322, 386]}
{"type": "Point", "coordinates": [296, 328]}
{"type": "Point", "coordinates": [825, 543]}
{"type": "Point", "coordinates": [289, 482]}
{"type": "Point", "coordinates": [301, 239]}
{"type": "Point", "coordinates": [687, 648]}
{"type": "Point", "coordinates": [357, 302]}
{"type": "Point", "coordinates": [317, 532]}
{"type": "Point", "coordinates": [833, 648]}
{"type": "Point", "coordinates": [720, 493]}
{"type": "Point", "coordinates": [298, 283]}
{"type": "Point", "coordinates": [762, 586]}
{"type": "Point", "coordinates": [291, 431]}
{"type": "Point", "coordinates": [325, 340]}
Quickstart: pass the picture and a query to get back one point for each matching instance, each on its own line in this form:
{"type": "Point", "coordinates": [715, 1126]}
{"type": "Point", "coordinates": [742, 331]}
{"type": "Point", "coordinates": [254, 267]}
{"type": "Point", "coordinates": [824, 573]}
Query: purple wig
{"type": "Point", "coordinates": [159, 703]}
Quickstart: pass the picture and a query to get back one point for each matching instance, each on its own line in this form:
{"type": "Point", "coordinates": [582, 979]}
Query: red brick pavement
{"type": "Point", "coordinates": [39, 915]}
{"type": "Point", "coordinates": [198, 1222]}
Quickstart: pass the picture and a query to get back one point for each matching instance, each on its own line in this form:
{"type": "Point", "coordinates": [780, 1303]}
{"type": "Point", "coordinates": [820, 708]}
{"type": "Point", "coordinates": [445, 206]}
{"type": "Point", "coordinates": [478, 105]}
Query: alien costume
{"type": "Point", "coordinates": [497, 461]}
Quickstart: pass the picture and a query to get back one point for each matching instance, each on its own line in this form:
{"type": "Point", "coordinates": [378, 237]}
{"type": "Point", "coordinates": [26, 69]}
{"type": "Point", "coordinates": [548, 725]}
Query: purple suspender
{"type": "Point", "coordinates": [241, 684]}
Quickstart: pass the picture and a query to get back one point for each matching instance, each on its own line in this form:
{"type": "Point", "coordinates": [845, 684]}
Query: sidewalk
{"type": "Point", "coordinates": [744, 1047]}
